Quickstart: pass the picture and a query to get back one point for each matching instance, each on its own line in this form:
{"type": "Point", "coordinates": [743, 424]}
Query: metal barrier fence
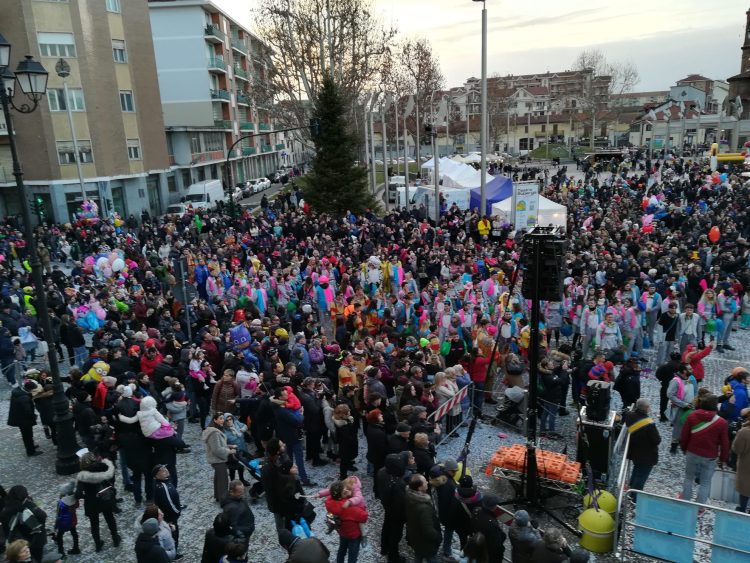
{"type": "Point", "coordinates": [666, 528]}
{"type": "Point", "coordinates": [466, 415]}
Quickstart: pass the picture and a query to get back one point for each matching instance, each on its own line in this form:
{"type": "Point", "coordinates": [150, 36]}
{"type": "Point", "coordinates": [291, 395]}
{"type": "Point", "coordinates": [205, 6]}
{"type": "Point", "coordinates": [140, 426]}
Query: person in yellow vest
{"type": "Point", "coordinates": [484, 226]}
{"type": "Point", "coordinates": [28, 300]}
{"type": "Point", "coordinates": [644, 443]}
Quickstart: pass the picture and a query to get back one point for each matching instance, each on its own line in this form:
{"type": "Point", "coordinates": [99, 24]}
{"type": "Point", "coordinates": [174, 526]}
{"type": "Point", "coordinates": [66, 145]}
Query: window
{"type": "Point", "coordinates": [213, 141]}
{"type": "Point", "coordinates": [523, 144]}
{"type": "Point", "coordinates": [113, 6]}
{"type": "Point", "coordinates": [134, 149]}
{"type": "Point", "coordinates": [56, 44]}
{"type": "Point", "coordinates": [544, 128]}
{"type": "Point", "coordinates": [195, 143]}
{"type": "Point", "coordinates": [525, 128]}
{"type": "Point", "coordinates": [126, 101]}
{"type": "Point", "coordinates": [118, 51]}
{"type": "Point", "coordinates": [56, 97]}
{"type": "Point", "coordinates": [66, 152]}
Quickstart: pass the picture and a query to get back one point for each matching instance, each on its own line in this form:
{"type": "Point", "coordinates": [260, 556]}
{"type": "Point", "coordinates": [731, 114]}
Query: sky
{"type": "Point", "coordinates": [536, 36]}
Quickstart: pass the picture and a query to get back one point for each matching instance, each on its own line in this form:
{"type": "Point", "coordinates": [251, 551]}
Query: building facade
{"type": "Point", "coordinates": [114, 97]}
{"type": "Point", "coordinates": [214, 79]}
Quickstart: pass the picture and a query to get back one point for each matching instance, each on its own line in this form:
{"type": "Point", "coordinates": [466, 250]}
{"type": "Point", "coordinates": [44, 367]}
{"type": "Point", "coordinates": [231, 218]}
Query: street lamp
{"type": "Point", "coordinates": [31, 78]}
{"type": "Point", "coordinates": [483, 134]}
{"type": "Point", "coordinates": [62, 68]}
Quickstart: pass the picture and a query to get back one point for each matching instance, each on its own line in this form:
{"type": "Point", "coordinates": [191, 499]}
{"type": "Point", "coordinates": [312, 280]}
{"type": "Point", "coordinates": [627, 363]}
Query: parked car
{"type": "Point", "coordinates": [175, 210]}
{"type": "Point", "coordinates": [260, 184]}
{"type": "Point", "coordinates": [237, 193]}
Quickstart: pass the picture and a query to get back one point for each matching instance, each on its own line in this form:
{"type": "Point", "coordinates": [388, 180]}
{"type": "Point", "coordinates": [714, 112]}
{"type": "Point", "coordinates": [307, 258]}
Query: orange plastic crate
{"type": "Point", "coordinates": [575, 466]}
{"type": "Point", "coordinates": [551, 470]}
{"type": "Point", "coordinates": [569, 476]}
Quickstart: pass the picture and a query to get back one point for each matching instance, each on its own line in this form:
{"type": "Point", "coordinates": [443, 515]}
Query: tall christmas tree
{"type": "Point", "coordinates": [335, 184]}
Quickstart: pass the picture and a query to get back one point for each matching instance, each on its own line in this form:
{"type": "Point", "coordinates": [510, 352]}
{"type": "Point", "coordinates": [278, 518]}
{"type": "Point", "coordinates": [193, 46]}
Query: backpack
{"type": "Point", "coordinates": [64, 518]}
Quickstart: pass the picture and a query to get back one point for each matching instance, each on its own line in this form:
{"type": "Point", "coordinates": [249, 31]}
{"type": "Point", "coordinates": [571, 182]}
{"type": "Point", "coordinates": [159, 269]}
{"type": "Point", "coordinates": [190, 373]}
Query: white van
{"type": "Point", "coordinates": [204, 195]}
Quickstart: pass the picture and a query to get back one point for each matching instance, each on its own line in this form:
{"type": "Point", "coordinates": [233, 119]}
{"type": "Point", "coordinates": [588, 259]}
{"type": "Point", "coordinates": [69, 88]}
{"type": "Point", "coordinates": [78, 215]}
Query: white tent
{"type": "Point", "coordinates": [474, 157]}
{"type": "Point", "coordinates": [550, 213]}
{"type": "Point", "coordinates": [457, 175]}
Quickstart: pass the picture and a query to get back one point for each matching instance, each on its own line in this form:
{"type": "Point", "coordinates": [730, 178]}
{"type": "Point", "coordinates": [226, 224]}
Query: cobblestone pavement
{"type": "Point", "coordinates": [195, 479]}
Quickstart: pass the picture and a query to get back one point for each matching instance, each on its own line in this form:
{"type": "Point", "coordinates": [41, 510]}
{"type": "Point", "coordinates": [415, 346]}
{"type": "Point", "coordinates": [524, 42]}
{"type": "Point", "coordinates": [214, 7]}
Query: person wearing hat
{"type": "Point", "coordinates": [523, 538]}
{"type": "Point", "coordinates": [23, 520]}
{"type": "Point", "coordinates": [484, 520]}
{"type": "Point", "coordinates": [399, 441]}
{"type": "Point", "coordinates": [628, 382]}
{"type": "Point", "coordinates": [644, 443]}
{"type": "Point", "coordinates": [96, 486]}
{"type": "Point", "coordinates": [67, 519]}
{"type": "Point", "coordinates": [147, 546]}
{"type": "Point", "coordinates": [22, 415]}
{"type": "Point", "coordinates": [391, 486]}
{"type": "Point", "coordinates": [441, 479]}
{"type": "Point", "coordinates": [167, 499]}
{"type": "Point", "coordinates": [469, 498]}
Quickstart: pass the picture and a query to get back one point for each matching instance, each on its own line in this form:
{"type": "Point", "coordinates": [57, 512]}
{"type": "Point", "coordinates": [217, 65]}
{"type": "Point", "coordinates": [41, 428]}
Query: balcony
{"type": "Point", "coordinates": [280, 146]}
{"type": "Point", "coordinates": [222, 123]}
{"type": "Point", "coordinates": [264, 126]}
{"type": "Point", "coordinates": [249, 151]}
{"type": "Point", "coordinates": [239, 45]}
{"type": "Point", "coordinates": [213, 34]}
{"type": "Point", "coordinates": [222, 95]}
{"type": "Point", "coordinates": [243, 98]}
{"type": "Point", "coordinates": [240, 73]}
{"type": "Point", "coordinates": [217, 64]}
{"type": "Point", "coordinates": [267, 148]}
{"type": "Point", "coordinates": [247, 126]}
{"type": "Point", "coordinates": [197, 157]}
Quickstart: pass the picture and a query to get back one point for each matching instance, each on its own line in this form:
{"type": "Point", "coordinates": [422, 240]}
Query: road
{"type": "Point", "coordinates": [254, 200]}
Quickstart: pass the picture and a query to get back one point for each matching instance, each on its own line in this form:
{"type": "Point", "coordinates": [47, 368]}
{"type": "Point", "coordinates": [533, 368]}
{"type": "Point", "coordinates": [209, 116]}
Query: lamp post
{"type": "Point", "coordinates": [62, 68]}
{"type": "Point", "coordinates": [483, 134]}
{"type": "Point", "coordinates": [31, 78]}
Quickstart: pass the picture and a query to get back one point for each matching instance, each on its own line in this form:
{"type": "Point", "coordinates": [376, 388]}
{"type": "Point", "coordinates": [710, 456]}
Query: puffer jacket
{"type": "Point", "coordinates": [89, 484]}
{"type": "Point", "coordinates": [147, 416]}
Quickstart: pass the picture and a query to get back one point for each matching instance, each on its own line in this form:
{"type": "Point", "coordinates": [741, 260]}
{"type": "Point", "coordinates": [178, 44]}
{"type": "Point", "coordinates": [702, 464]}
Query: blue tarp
{"type": "Point", "coordinates": [499, 188]}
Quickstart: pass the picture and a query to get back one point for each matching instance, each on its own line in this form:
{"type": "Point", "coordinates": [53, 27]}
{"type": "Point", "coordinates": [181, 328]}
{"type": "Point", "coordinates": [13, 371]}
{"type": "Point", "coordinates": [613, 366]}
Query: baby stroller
{"type": "Point", "coordinates": [254, 467]}
{"type": "Point", "coordinates": [512, 408]}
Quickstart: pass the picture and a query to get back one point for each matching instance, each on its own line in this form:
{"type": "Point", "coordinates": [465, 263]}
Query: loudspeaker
{"type": "Point", "coordinates": [550, 270]}
{"type": "Point", "coordinates": [598, 399]}
{"type": "Point", "coordinates": [595, 446]}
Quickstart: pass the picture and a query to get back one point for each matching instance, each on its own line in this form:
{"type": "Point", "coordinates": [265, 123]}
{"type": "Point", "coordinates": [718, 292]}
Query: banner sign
{"type": "Point", "coordinates": [525, 211]}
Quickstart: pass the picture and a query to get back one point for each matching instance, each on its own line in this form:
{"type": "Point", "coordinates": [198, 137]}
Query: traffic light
{"type": "Point", "coordinates": [39, 207]}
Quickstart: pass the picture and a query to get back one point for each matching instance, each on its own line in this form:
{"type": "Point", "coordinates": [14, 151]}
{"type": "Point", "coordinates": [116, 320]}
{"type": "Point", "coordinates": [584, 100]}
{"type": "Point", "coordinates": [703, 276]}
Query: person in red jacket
{"type": "Point", "coordinates": [350, 517]}
{"type": "Point", "coordinates": [694, 357]}
{"type": "Point", "coordinates": [150, 360]}
{"type": "Point", "coordinates": [705, 441]}
{"type": "Point", "coordinates": [478, 372]}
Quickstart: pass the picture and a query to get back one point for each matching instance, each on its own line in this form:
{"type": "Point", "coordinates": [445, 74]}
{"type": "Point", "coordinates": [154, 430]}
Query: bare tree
{"type": "Point", "coordinates": [421, 68]}
{"type": "Point", "coordinates": [601, 81]}
{"type": "Point", "coordinates": [309, 39]}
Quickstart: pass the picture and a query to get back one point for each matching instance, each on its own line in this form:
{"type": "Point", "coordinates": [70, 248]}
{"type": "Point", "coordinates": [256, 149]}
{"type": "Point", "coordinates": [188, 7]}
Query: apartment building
{"type": "Point", "coordinates": [214, 79]}
{"type": "Point", "coordinates": [114, 97]}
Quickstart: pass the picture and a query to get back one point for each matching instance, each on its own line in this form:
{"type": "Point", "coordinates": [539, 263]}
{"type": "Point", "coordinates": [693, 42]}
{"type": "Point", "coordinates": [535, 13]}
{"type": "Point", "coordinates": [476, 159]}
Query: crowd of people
{"type": "Point", "coordinates": [311, 335]}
